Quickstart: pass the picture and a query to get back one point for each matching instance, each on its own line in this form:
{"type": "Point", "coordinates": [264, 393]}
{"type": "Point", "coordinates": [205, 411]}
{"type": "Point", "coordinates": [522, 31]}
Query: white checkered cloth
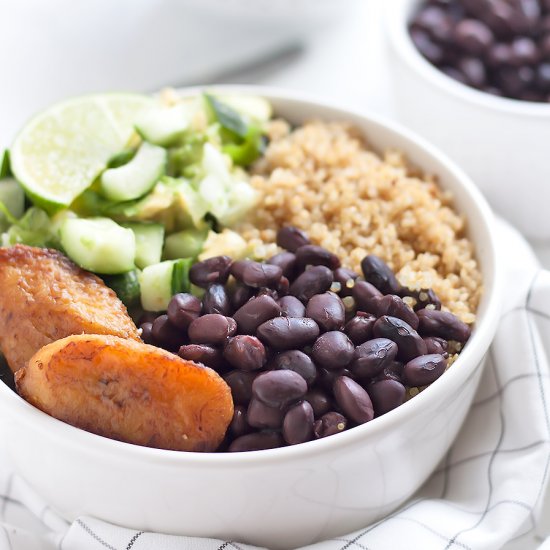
{"type": "Point", "coordinates": [486, 492]}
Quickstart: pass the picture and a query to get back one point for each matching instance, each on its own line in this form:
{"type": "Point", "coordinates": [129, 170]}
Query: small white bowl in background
{"type": "Point", "coordinates": [503, 144]}
{"type": "Point", "coordinates": [280, 498]}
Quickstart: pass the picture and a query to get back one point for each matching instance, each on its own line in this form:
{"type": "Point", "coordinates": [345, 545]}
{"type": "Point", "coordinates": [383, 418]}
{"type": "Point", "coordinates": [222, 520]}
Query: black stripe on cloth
{"type": "Point", "coordinates": [487, 453]}
{"type": "Point", "coordinates": [94, 535]}
{"type": "Point", "coordinates": [5, 531]}
{"type": "Point", "coordinates": [7, 496]}
{"type": "Point", "coordinates": [509, 383]}
{"type": "Point", "coordinates": [452, 541]}
{"type": "Point", "coordinates": [133, 539]}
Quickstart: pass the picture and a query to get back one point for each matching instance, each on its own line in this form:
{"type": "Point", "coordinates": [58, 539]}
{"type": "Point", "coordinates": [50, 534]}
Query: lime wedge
{"type": "Point", "coordinates": [61, 151]}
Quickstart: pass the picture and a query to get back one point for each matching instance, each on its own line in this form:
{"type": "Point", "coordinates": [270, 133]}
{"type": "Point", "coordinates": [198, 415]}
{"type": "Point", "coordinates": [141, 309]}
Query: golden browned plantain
{"type": "Point", "coordinates": [44, 297]}
{"type": "Point", "coordinates": [129, 391]}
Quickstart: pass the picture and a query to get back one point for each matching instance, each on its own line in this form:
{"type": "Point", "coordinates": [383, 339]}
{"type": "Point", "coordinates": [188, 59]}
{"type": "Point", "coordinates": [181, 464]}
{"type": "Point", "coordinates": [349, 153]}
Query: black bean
{"type": "Point", "coordinates": [240, 295]}
{"type": "Point", "coordinates": [165, 334]}
{"type": "Point", "coordinates": [435, 21]}
{"type": "Point", "coordinates": [291, 307]}
{"type": "Point", "coordinates": [524, 51]}
{"type": "Point", "coordinates": [366, 296]}
{"type": "Point", "coordinates": [409, 342]}
{"type": "Point", "coordinates": [513, 81]}
{"type": "Point", "coordinates": [443, 324]}
{"type": "Point", "coordinates": [427, 46]}
{"type": "Point", "coordinates": [473, 36]}
{"type": "Point", "coordinates": [346, 278]}
{"type": "Point", "coordinates": [183, 309]}
{"type": "Point", "coordinates": [543, 76]}
{"type": "Point", "coordinates": [291, 238]}
{"type": "Point", "coordinates": [279, 388]}
{"type": "Point", "coordinates": [378, 273]}
{"type": "Point", "coordinates": [359, 328]}
{"type": "Point", "coordinates": [260, 415]}
{"type": "Point", "coordinates": [240, 383]}
{"type": "Point", "coordinates": [311, 254]}
{"type": "Point", "coordinates": [256, 442]}
{"type": "Point", "coordinates": [333, 350]}
{"type": "Point", "coordinates": [394, 371]}
{"type": "Point", "coordinates": [372, 357]}
{"type": "Point", "coordinates": [282, 287]}
{"type": "Point", "coordinates": [268, 292]}
{"type": "Point", "coordinates": [319, 401]}
{"type": "Point", "coordinates": [147, 333]}
{"type": "Point", "coordinates": [287, 262]}
{"type": "Point", "coordinates": [237, 268]}
{"type": "Point", "coordinates": [255, 312]}
{"type": "Point", "coordinates": [259, 275]}
{"type": "Point", "coordinates": [298, 362]}
{"type": "Point", "coordinates": [473, 70]}
{"type": "Point", "coordinates": [434, 344]}
{"type": "Point", "coordinates": [245, 352]}
{"type": "Point", "coordinates": [216, 300]}
{"type": "Point", "coordinates": [212, 328]}
{"type": "Point", "coordinates": [394, 306]}
{"type": "Point", "coordinates": [455, 74]}
{"type": "Point", "coordinates": [353, 399]}
{"type": "Point", "coordinates": [424, 370]}
{"type": "Point", "coordinates": [315, 280]}
{"type": "Point", "coordinates": [201, 353]}
{"type": "Point", "coordinates": [239, 425]}
{"type": "Point", "coordinates": [326, 377]}
{"type": "Point", "coordinates": [298, 424]}
{"type": "Point", "coordinates": [330, 423]}
{"type": "Point", "coordinates": [210, 271]}
{"type": "Point", "coordinates": [288, 332]}
{"type": "Point", "coordinates": [499, 55]}
{"type": "Point", "coordinates": [327, 310]}
{"type": "Point", "coordinates": [424, 297]}
{"type": "Point", "coordinates": [386, 395]}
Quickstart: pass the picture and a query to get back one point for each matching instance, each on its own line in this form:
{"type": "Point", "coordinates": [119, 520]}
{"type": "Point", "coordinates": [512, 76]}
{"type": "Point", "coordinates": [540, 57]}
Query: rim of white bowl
{"type": "Point", "coordinates": [473, 351]}
{"type": "Point", "coordinates": [397, 14]}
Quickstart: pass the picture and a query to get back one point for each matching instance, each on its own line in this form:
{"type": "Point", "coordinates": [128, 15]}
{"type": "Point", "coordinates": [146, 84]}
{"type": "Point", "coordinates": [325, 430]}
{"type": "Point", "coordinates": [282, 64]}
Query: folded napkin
{"type": "Point", "coordinates": [487, 490]}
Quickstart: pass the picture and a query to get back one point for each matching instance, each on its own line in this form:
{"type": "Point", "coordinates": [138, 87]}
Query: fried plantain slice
{"type": "Point", "coordinates": [44, 297]}
{"type": "Point", "coordinates": [129, 391]}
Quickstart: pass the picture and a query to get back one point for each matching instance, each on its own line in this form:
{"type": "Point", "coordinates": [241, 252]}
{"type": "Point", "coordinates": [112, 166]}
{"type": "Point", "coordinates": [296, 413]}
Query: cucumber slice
{"type": "Point", "coordinates": [135, 179]}
{"type": "Point", "coordinates": [12, 197]}
{"type": "Point", "coordinates": [149, 241]}
{"type": "Point", "coordinates": [99, 245]}
{"type": "Point", "coordinates": [184, 244]}
{"type": "Point", "coordinates": [126, 286]}
{"type": "Point", "coordinates": [161, 281]}
{"type": "Point", "coordinates": [164, 125]}
{"type": "Point", "coordinates": [254, 107]}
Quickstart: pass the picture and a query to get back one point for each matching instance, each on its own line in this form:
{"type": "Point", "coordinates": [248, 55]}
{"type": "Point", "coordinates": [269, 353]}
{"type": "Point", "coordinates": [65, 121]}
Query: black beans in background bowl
{"type": "Point", "coordinates": [501, 47]}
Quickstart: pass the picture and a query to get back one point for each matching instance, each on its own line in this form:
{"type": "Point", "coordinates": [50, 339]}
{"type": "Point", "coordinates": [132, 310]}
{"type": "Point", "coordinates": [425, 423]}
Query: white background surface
{"type": "Point", "coordinates": [345, 64]}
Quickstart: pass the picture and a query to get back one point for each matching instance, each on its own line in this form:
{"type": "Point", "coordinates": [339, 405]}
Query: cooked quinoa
{"type": "Point", "coordinates": [324, 179]}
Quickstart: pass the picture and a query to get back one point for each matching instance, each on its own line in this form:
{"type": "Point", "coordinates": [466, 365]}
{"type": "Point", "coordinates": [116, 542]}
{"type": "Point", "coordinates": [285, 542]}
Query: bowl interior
{"type": "Point", "coordinates": [383, 135]}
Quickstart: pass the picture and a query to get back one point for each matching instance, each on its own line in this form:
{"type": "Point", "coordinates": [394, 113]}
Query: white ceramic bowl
{"type": "Point", "coordinates": [280, 498]}
{"type": "Point", "coordinates": [503, 144]}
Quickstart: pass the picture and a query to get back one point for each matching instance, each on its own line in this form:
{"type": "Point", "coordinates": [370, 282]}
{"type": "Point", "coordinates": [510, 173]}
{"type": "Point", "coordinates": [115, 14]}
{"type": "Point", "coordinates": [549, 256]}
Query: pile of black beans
{"type": "Point", "coordinates": [308, 347]}
{"type": "Point", "coordinates": [499, 46]}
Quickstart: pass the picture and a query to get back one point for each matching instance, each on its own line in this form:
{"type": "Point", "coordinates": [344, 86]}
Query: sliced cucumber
{"type": "Point", "coordinates": [149, 241]}
{"type": "Point", "coordinates": [135, 179]}
{"type": "Point", "coordinates": [254, 107]}
{"type": "Point", "coordinates": [161, 281]}
{"type": "Point", "coordinates": [126, 286]}
{"type": "Point", "coordinates": [99, 245]}
{"type": "Point", "coordinates": [184, 244]}
{"type": "Point", "coordinates": [164, 125]}
{"type": "Point", "coordinates": [12, 197]}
